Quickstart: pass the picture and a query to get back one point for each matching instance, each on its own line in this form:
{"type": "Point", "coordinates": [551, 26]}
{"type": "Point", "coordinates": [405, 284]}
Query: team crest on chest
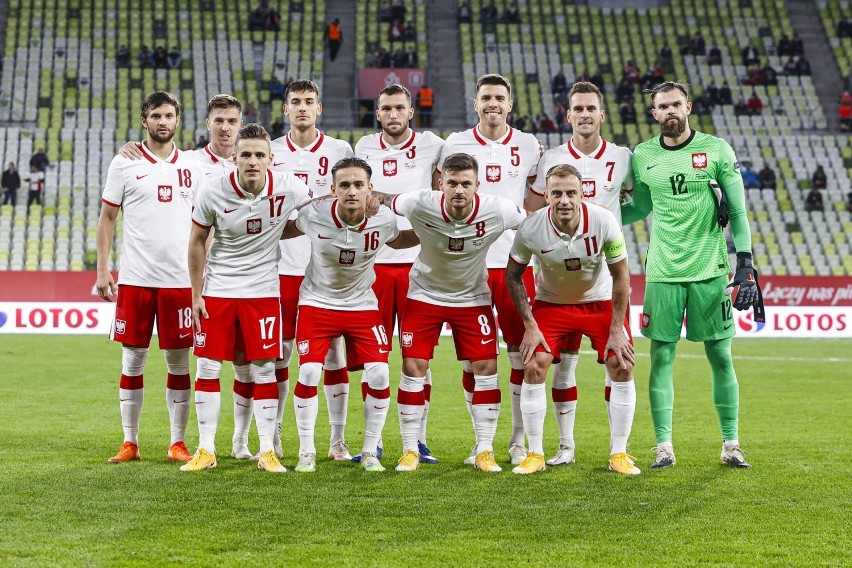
{"type": "Point", "coordinates": [572, 264]}
{"type": "Point", "coordinates": [389, 167]}
{"type": "Point", "coordinates": [253, 226]}
{"type": "Point", "coordinates": [347, 257]}
{"type": "Point", "coordinates": [493, 173]}
{"type": "Point", "coordinates": [164, 193]}
{"type": "Point", "coordinates": [456, 245]}
{"type": "Point", "coordinates": [303, 177]}
{"type": "Point", "coordinates": [699, 160]}
{"type": "Point", "coordinates": [588, 188]}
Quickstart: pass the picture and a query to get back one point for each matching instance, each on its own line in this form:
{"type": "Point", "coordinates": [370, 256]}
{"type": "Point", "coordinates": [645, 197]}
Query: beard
{"type": "Point", "coordinates": [155, 136]}
{"type": "Point", "coordinates": [669, 130]}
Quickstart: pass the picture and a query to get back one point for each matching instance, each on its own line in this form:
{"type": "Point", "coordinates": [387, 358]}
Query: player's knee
{"type": "Point", "coordinates": [377, 375]}
{"type": "Point", "coordinates": [208, 368]}
{"type": "Point", "coordinates": [310, 374]}
{"type": "Point", "coordinates": [484, 367]}
{"type": "Point", "coordinates": [177, 361]}
{"type": "Point", "coordinates": [617, 372]}
{"type": "Point", "coordinates": [535, 372]}
{"type": "Point", "coordinates": [239, 358]}
{"type": "Point", "coordinates": [719, 352]}
{"type": "Point", "coordinates": [415, 367]}
{"type": "Point", "coordinates": [336, 356]}
{"type": "Point", "coordinates": [263, 371]}
{"type": "Point", "coordinates": [133, 360]}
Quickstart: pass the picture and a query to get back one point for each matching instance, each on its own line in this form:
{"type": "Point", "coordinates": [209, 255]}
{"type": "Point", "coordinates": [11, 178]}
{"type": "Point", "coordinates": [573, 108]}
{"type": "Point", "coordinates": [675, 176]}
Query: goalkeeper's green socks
{"type": "Point", "coordinates": [726, 390]}
{"type": "Point", "coordinates": [661, 388]}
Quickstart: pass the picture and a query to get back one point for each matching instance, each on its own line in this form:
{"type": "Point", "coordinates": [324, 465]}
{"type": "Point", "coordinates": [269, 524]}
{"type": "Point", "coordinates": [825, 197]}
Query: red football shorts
{"type": "Point", "coordinates": [511, 324]}
{"type": "Point", "coordinates": [391, 289]}
{"type": "Point", "coordinates": [289, 304]}
{"type": "Point", "coordinates": [560, 321]}
{"type": "Point", "coordinates": [137, 307]}
{"type": "Point", "coordinates": [362, 330]}
{"type": "Point", "coordinates": [259, 322]}
{"type": "Point", "coordinates": [474, 331]}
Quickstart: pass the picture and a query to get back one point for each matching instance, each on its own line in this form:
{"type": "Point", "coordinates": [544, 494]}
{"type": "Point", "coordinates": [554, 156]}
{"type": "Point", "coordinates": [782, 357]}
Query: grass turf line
{"type": "Point", "coordinates": [60, 502]}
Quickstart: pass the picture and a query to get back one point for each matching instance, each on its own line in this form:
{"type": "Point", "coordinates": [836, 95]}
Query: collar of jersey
{"type": "Point", "coordinates": [171, 158]}
{"type": "Point", "coordinates": [680, 146]}
{"type": "Point", "coordinates": [584, 223]}
{"type": "Point", "coordinates": [596, 154]}
{"type": "Point", "coordinates": [314, 148]}
{"type": "Point", "coordinates": [404, 145]}
{"type": "Point", "coordinates": [483, 141]}
{"type": "Point", "coordinates": [263, 193]}
{"type": "Point", "coordinates": [467, 221]}
{"type": "Point", "coordinates": [340, 224]}
{"type": "Point", "coordinates": [213, 157]}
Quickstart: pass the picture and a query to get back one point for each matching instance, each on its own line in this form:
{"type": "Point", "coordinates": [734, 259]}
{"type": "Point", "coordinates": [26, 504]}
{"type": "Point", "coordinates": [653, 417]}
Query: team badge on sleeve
{"type": "Point", "coordinates": [699, 160]}
{"type": "Point", "coordinates": [493, 173]}
{"type": "Point", "coordinates": [389, 168]}
{"type": "Point", "coordinates": [253, 226]}
{"type": "Point", "coordinates": [164, 193]}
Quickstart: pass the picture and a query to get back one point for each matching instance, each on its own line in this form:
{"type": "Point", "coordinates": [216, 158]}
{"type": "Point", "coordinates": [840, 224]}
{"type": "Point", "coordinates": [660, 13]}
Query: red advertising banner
{"type": "Point", "coordinates": [372, 81]}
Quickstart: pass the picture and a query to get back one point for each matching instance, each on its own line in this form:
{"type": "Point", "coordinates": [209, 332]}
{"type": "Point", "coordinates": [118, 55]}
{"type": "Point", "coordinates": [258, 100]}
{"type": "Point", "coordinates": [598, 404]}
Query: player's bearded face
{"type": "Point", "coordinates": [671, 109]}
{"type": "Point", "coordinates": [394, 114]}
{"type": "Point", "coordinates": [161, 123]}
{"type": "Point", "coordinates": [459, 188]}
{"type": "Point", "coordinates": [672, 127]}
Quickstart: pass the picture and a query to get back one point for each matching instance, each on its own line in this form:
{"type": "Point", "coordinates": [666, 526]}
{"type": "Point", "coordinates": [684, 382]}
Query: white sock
{"type": "Point", "coordinates": [208, 400]}
{"type": "Point", "coordinates": [177, 392]}
{"type": "Point", "coordinates": [336, 393]}
{"type": "Point", "coordinates": [534, 408]}
{"type": "Point", "coordinates": [564, 378]}
{"type": "Point", "coordinates": [131, 393]}
{"type": "Point", "coordinates": [242, 404]}
{"type": "Point", "coordinates": [622, 404]}
{"type": "Point", "coordinates": [410, 408]}
{"type": "Point", "coordinates": [307, 406]}
{"type": "Point", "coordinates": [516, 362]}
{"type": "Point", "coordinates": [376, 403]}
{"type": "Point", "coordinates": [265, 403]}
{"type": "Point", "coordinates": [427, 386]}
{"type": "Point", "coordinates": [486, 413]}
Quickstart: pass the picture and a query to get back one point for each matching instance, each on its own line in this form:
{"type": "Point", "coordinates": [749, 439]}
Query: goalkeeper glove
{"type": "Point", "coordinates": [721, 203]}
{"type": "Point", "coordinates": [749, 293]}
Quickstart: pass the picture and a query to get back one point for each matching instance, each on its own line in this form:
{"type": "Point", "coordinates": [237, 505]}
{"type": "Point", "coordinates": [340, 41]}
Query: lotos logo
{"type": "Point", "coordinates": [200, 339]}
{"type": "Point", "coordinates": [347, 257]}
{"type": "Point", "coordinates": [746, 322]}
{"type": "Point", "coordinates": [304, 347]}
{"type": "Point", "coordinates": [699, 160]}
{"type": "Point", "coordinates": [120, 327]}
{"type": "Point", "coordinates": [588, 188]}
{"type": "Point", "coordinates": [407, 338]}
{"type": "Point", "coordinates": [303, 177]}
{"type": "Point", "coordinates": [389, 168]}
{"type": "Point", "coordinates": [253, 226]}
{"type": "Point", "coordinates": [492, 173]}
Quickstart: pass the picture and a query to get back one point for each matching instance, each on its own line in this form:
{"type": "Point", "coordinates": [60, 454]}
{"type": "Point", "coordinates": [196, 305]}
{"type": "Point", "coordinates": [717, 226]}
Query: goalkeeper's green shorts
{"type": "Point", "coordinates": [708, 311]}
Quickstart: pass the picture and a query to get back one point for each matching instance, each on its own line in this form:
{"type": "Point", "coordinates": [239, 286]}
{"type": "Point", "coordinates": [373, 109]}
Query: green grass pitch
{"type": "Point", "coordinates": [62, 504]}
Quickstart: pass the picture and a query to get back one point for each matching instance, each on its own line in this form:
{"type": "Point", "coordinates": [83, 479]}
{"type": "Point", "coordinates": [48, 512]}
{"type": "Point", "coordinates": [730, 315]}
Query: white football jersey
{"type": "Point", "coordinates": [572, 269]}
{"type": "Point", "coordinates": [312, 165]}
{"type": "Point", "coordinates": [213, 165]}
{"type": "Point", "coordinates": [450, 269]}
{"type": "Point", "coordinates": [242, 261]}
{"type": "Point", "coordinates": [605, 172]}
{"type": "Point", "coordinates": [156, 198]}
{"type": "Point", "coordinates": [504, 166]}
{"type": "Point", "coordinates": [340, 274]}
{"type": "Point", "coordinates": [399, 169]}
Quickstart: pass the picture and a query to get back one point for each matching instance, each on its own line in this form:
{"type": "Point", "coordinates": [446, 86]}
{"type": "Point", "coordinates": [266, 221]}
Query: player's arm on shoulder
{"type": "Point", "coordinates": [618, 342]}
{"type": "Point", "coordinates": [731, 181]}
{"type": "Point", "coordinates": [298, 226]}
{"type": "Point", "coordinates": [405, 239]}
{"type": "Point", "coordinates": [131, 150]}
{"type": "Point", "coordinates": [513, 216]}
{"type": "Point", "coordinates": [638, 207]}
{"type": "Point", "coordinates": [105, 284]}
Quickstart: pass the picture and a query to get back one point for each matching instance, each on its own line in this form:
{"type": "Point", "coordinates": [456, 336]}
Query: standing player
{"type": "Point", "coordinates": [224, 120]}
{"type": "Point", "coordinates": [404, 160]}
{"type": "Point", "coordinates": [237, 281]}
{"type": "Point", "coordinates": [155, 195]}
{"type": "Point", "coordinates": [606, 173]}
{"type": "Point", "coordinates": [309, 154]}
{"type": "Point", "coordinates": [449, 283]}
{"type": "Point", "coordinates": [678, 175]}
{"type": "Point", "coordinates": [508, 160]}
{"type": "Point", "coordinates": [573, 240]}
{"type": "Point", "coordinates": [336, 299]}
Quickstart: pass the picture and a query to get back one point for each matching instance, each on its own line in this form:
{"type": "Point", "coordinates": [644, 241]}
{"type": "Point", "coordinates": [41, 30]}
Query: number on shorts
{"type": "Point", "coordinates": [266, 326]}
{"type": "Point", "coordinates": [727, 313]}
{"type": "Point", "coordinates": [381, 336]}
{"type": "Point", "coordinates": [484, 325]}
{"type": "Point", "coordinates": [184, 318]}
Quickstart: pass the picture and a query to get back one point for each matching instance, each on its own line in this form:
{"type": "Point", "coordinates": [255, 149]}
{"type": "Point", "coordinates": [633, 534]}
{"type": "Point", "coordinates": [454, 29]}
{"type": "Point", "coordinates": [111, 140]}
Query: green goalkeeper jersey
{"type": "Point", "coordinates": [687, 244]}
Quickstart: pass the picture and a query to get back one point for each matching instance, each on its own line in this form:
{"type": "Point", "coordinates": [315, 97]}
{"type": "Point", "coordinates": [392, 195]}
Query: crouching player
{"type": "Point", "coordinates": [574, 294]}
{"type": "Point", "coordinates": [336, 298]}
{"type": "Point", "coordinates": [236, 281]}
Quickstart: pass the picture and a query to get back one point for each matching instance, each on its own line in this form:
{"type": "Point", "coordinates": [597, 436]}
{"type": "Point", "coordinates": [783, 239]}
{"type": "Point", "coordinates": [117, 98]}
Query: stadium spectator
{"type": "Point", "coordinates": [398, 58]}
{"type": "Point", "coordinates": [276, 129]}
{"type": "Point", "coordinates": [750, 55]}
{"type": "Point", "coordinates": [559, 86]}
{"type": "Point", "coordinates": [559, 112]}
{"type": "Point", "coordinates": [425, 103]}
{"type": "Point", "coordinates": [697, 45]}
{"type": "Point", "coordinates": [750, 179]}
{"type": "Point", "coordinates": [396, 32]}
{"type": "Point", "coordinates": [371, 59]}
{"type": "Point", "coordinates": [767, 178]}
{"type": "Point", "coordinates": [803, 66]}
{"type": "Point", "coordinates": [631, 71]}
{"type": "Point", "coordinates": [410, 32]}
{"type": "Point", "coordinates": [385, 13]}
{"type": "Point", "coordinates": [597, 80]}
{"type": "Point", "coordinates": [703, 105]}
{"type": "Point", "coordinates": [784, 47]}
{"type": "Point", "coordinates": [465, 14]}
{"type": "Point", "coordinates": [770, 75]}
{"type": "Point", "coordinates": [145, 57]}
{"type": "Point", "coordinates": [845, 111]}
{"type": "Point", "coordinates": [725, 95]}
{"type": "Point", "coordinates": [844, 27]}
{"type": "Point", "coordinates": [666, 56]}
{"type": "Point", "coordinates": [849, 202]}
{"type": "Point", "coordinates": [122, 57]}
{"type": "Point", "coordinates": [583, 76]}
{"type": "Point", "coordinates": [273, 20]}
{"type": "Point", "coordinates": [797, 46]}
{"type": "Point", "coordinates": [814, 202]}
{"type": "Point", "coordinates": [714, 57]}
{"type": "Point", "coordinates": [755, 105]}
{"type": "Point", "coordinates": [384, 58]}
{"type": "Point", "coordinates": [398, 10]}
{"type": "Point", "coordinates": [712, 93]}
{"type": "Point", "coordinates": [39, 160]}
{"type": "Point", "coordinates": [334, 35]}
{"type": "Point", "coordinates": [276, 90]}
{"type": "Point", "coordinates": [161, 58]}
{"type": "Point", "coordinates": [410, 58]}
{"type": "Point", "coordinates": [624, 91]}
{"type": "Point", "coordinates": [755, 76]}
{"type": "Point", "coordinates": [174, 58]}
{"type": "Point", "coordinates": [741, 106]}
{"type": "Point", "coordinates": [257, 19]}
{"type": "Point", "coordinates": [790, 66]}
{"type": "Point", "coordinates": [202, 141]}
{"type": "Point", "coordinates": [543, 123]}
{"type": "Point", "coordinates": [249, 113]}
{"type": "Point", "coordinates": [627, 112]}
{"type": "Point", "coordinates": [819, 179]}
{"type": "Point", "coordinates": [511, 14]}
{"type": "Point", "coordinates": [10, 182]}
{"type": "Point", "coordinates": [488, 14]}
{"type": "Point", "coordinates": [521, 123]}
{"type": "Point", "coordinates": [36, 186]}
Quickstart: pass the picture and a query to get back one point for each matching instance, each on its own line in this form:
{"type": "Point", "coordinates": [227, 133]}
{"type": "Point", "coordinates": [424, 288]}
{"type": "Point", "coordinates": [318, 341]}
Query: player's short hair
{"type": "Point", "coordinates": [158, 99]}
{"type": "Point", "coordinates": [460, 162]}
{"type": "Point", "coordinates": [223, 102]}
{"type": "Point", "coordinates": [394, 89]}
{"type": "Point", "coordinates": [352, 162]}
{"type": "Point", "coordinates": [667, 86]}
{"type": "Point", "coordinates": [563, 171]}
{"type": "Point", "coordinates": [494, 79]}
{"type": "Point", "coordinates": [253, 131]}
{"type": "Point", "coordinates": [300, 86]}
{"type": "Point", "coordinates": [585, 87]}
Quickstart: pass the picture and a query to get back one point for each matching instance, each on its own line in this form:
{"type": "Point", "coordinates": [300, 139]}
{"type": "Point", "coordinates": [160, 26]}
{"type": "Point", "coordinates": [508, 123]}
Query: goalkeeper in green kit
{"type": "Point", "coordinates": [692, 182]}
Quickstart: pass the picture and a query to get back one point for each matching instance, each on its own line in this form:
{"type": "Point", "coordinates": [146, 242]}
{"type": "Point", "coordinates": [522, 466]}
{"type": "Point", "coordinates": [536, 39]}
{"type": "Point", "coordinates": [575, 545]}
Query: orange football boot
{"type": "Point", "coordinates": [128, 452]}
